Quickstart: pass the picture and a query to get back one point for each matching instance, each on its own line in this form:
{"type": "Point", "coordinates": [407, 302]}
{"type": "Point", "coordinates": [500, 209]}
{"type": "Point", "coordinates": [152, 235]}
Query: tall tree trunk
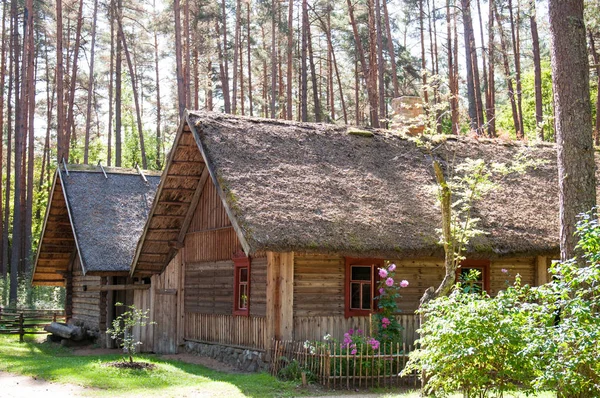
{"type": "Point", "coordinates": [209, 90]}
{"type": "Point", "coordinates": [304, 66]}
{"type": "Point", "coordinates": [31, 79]}
{"type": "Point", "coordinates": [473, 86]}
{"type": "Point", "coordinates": [3, 263]}
{"type": "Point", "coordinates": [380, 60]}
{"type": "Point", "coordinates": [225, 58]}
{"type": "Point", "coordinates": [236, 48]}
{"type": "Point", "coordinates": [88, 118]}
{"type": "Point", "coordinates": [111, 14]}
{"type": "Point", "coordinates": [372, 69]}
{"type": "Point", "coordinates": [249, 60]}
{"type": "Point", "coordinates": [509, 81]}
{"type": "Point", "coordinates": [63, 147]}
{"type": "Point", "coordinates": [390, 46]}
{"type": "Point", "coordinates": [454, 116]}
{"type": "Point", "coordinates": [313, 73]}
{"type": "Point", "coordinates": [517, 59]}
{"type": "Point", "coordinates": [186, 32]}
{"type": "Point", "coordinates": [597, 63]}
{"type": "Point", "coordinates": [573, 119]}
{"type": "Point", "coordinates": [16, 249]}
{"type": "Point", "coordinates": [158, 104]}
{"type": "Point", "coordinates": [136, 98]}
{"type": "Point", "coordinates": [178, 59]}
{"type": "Point", "coordinates": [274, 32]}
{"type": "Point", "coordinates": [9, 131]}
{"type": "Point", "coordinates": [484, 72]}
{"type": "Point", "coordinates": [537, 71]}
{"type": "Point", "coordinates": [118, 88]}
{"type": "Point", "coordinates": [423, 60]}
{"type": "Point", "coordinates": [70, 127]}
{"type": "Point", "coordinates": [290, 60]}
{"type": "Point", "coordinates": [491, 107]}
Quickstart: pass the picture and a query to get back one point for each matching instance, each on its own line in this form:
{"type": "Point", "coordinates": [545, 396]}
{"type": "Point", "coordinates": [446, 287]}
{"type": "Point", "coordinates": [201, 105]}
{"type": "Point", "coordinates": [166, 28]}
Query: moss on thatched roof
{"type": "Point", "coordinates": [296, 187]}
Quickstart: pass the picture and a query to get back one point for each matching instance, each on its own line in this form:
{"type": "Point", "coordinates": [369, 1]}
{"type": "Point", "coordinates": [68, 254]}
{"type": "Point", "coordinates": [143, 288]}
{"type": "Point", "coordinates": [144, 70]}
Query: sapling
{"type": "Point", "coordinates": [122, 328]}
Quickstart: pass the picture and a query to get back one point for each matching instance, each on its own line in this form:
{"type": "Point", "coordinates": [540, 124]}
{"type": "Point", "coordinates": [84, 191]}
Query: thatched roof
{"type": "Point", "coordinates": [314, 187]}
{"type": "Point", "coordinates": [102, 217]}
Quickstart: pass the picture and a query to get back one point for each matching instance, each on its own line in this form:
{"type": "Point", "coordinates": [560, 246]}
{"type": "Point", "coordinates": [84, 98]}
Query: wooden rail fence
{"type": "Point", "coordinates": [25, 321]}
{"type": "Point", "coordinates": [336, 367]}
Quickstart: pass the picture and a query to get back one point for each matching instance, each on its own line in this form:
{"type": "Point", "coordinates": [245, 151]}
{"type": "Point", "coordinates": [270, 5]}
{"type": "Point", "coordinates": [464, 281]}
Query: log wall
{"type": "Point", "coordinates": [86, 304]}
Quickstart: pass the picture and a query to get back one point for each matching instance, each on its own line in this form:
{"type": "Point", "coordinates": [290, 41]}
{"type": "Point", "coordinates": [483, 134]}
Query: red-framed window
{"type": "Point", "coordinates": [241, 286]}
{"type": "Point", "coordinates": [360, 285]}
{"type": "Point", "coordinates": [483, 281]}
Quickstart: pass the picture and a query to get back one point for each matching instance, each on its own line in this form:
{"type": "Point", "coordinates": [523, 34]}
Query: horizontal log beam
{"type": "Point", "coordinates": [106, 288]}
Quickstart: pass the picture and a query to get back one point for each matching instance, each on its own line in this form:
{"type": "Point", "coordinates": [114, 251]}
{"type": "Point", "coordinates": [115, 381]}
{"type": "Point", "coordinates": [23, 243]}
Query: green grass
{"type": "Point", "coordinates": [170, 378]}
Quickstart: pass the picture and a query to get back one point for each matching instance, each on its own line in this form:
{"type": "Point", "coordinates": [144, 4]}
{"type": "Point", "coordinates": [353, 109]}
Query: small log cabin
{"type": "Point", "coordinates": [263, 229]}
{"type": "Point", "coordinates": [93, 222]}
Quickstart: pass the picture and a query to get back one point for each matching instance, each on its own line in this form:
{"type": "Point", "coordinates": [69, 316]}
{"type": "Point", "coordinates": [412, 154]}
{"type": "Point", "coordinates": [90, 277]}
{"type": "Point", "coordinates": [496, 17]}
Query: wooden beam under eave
{"type": "Point", "coordinates": [108, 288]}
{"type": "Point", "coordinates": [48, 282]}
{"type": "Point", "coordinates": [193, 204]}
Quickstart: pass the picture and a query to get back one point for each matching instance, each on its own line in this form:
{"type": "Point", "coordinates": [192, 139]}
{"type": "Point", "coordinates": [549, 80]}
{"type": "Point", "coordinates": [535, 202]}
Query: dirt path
{"type": "Point", "coordinates": [16, 386]}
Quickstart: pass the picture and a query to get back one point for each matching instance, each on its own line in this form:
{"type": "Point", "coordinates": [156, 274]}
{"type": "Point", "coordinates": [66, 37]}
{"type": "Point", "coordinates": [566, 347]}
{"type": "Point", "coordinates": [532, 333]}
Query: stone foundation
{"type": "Point", "coordinates": [244, 359]}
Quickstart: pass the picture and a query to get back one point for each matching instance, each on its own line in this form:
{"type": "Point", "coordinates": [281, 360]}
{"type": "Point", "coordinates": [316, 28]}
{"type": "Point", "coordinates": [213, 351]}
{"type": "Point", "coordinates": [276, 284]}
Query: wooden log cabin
{"type": "Point", "coordinates": [93, 222]}
{"type": "Point", "coordinates": [270, 225]}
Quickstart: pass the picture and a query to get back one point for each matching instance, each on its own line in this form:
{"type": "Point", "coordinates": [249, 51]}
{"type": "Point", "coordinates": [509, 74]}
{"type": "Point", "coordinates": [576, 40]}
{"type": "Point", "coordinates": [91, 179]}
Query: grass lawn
{"type": "Point", "coordinates": [170, 378]}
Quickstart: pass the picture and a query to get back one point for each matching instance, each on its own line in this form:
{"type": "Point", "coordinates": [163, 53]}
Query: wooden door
{"type": "Point", "coordinates": [165, 316]}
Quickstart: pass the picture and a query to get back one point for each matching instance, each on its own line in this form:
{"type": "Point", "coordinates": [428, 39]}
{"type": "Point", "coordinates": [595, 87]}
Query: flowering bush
{"type": "Point", "coordinates": [385, 325]}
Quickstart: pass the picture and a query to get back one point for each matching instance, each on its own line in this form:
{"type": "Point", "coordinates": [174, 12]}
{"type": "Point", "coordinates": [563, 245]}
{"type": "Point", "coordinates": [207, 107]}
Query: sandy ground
{"type": "Point", "coordinates": [15, 386]}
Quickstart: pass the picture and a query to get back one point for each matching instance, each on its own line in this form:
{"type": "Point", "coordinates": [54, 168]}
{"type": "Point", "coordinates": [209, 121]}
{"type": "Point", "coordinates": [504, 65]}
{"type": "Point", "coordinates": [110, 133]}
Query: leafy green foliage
{"type": "Point", "coordinates": [531, 338]}
{"type": "Point", "coordinates": [475, 344]}
{"type": "Point", "coordinates": [386, 326]}
{"type": "Point", "coordinates": [122, 328]}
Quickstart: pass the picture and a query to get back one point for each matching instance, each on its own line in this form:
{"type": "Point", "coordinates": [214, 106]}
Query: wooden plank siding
{"type": "Point", "coordinates": [209, 287]}
{"type": "Point", "coordinates": [242, 331]}
{"type": "Point", "coordinates": [319, 283]}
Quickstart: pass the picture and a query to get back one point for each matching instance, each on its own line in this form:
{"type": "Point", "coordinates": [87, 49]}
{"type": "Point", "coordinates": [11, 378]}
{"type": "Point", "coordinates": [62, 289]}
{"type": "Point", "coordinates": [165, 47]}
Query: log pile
{"type": "Point", "coordinates": [66, 334]}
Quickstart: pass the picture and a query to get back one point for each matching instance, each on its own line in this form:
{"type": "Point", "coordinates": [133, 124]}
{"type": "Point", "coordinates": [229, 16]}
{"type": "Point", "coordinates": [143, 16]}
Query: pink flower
{"type": "Point", "coordinates": [351, 332]}
{"type": "Point", "coordinates": [385, 321]}
{"type": "Point", "coordinates": [382, 273]}
{"type": "Point", "coordinates": [504, 271]}
{"type": "Point", "coordinates": [359, 331]}
{"type": "Point", "coordinates": [381, 290]}
{"type": "Point", "coordinates": [353, 352]}
{"type": "Point", "coordinates": [389, 282]}
{"type": "Point", "coordinates": [392, 267]}
{"type": "Point", "coordinates": [384, 326]}
{"type": "Point", "coordinates": [404, 283]}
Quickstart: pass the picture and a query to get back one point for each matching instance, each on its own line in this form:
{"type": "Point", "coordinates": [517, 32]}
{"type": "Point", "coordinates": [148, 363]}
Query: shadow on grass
{"type": "Point", "coordinates": [55, 363]}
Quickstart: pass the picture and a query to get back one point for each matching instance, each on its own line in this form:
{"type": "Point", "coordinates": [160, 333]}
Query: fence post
{"type": "Point", "coordinates": [54, 317]}
{"type": "Point", "coordinates": [21, 328]}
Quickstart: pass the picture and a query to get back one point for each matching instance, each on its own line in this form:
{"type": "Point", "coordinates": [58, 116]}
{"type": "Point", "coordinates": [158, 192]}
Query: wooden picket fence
{"type": "Point", "coordinates": [24, 321]}
{"type": "Point", "coordinates": [334, 367]}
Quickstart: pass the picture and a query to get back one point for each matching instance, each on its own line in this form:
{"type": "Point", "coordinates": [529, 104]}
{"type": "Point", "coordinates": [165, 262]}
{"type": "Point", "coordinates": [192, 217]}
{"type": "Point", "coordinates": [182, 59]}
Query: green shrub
{"type": "Point", "coordinates": [475, 344]}
{"type": "Point", "coordinates": [531, 339]}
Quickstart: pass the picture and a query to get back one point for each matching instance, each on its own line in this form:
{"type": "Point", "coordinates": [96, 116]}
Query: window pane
{"type": "Point", "coordinates": [366, 296]}
{"type": "Point", "coordinates": [355, 295]}
{"type": "Point", "coordinates": [244, 274]}
{"type": "Point", "coordinates": [243, 299]}
{"type": "Point", "coordinates": [361, 273]}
